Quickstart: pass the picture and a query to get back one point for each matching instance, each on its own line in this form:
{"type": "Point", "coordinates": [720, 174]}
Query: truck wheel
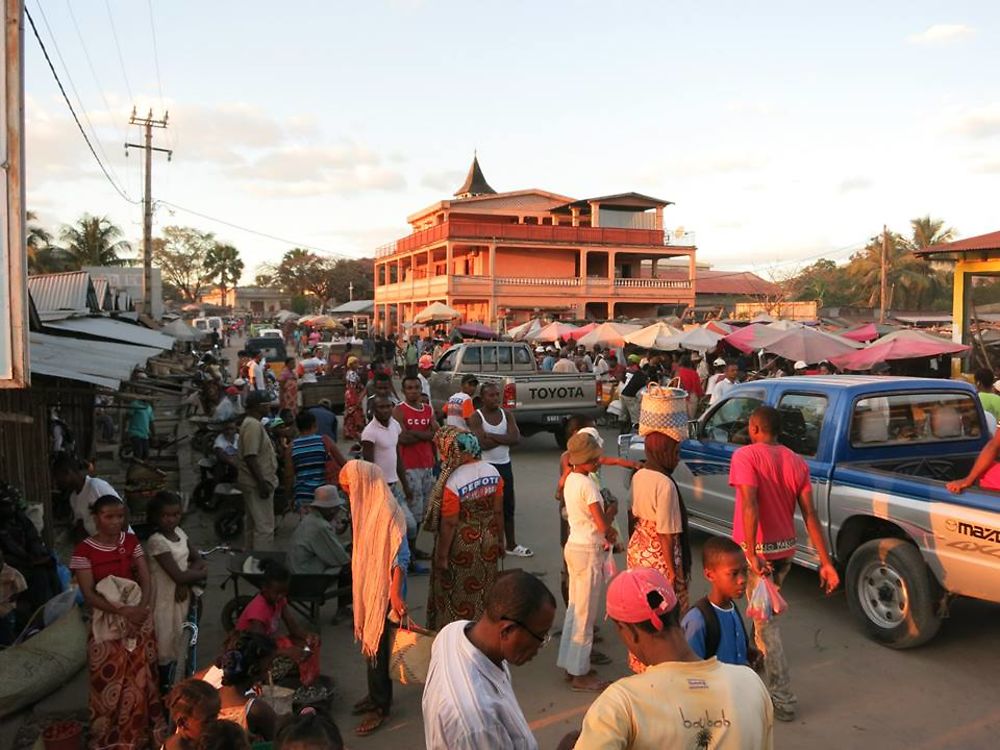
{"type": "Point", "coordinates": [891, 591]}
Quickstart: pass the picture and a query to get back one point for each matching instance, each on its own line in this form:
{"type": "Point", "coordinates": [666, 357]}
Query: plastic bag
{"type": "Point", "coordinates": [610, 569]}
{"type": "Point", "coordinates": [765, 601]}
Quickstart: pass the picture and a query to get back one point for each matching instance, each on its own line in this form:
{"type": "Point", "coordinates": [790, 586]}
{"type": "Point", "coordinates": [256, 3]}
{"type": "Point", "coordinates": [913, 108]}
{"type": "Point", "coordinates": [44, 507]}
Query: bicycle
{"type": "Point", "coordinates": [187, 652]}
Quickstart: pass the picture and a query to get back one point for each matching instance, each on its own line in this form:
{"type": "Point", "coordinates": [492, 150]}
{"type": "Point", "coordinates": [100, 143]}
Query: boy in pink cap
{"type": "Point", "coordinates": [680, 700]}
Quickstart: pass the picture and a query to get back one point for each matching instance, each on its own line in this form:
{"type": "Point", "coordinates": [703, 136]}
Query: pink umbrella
{"type": "Point", "coordinates": [867, 332]}
{"type": "Point", "coordinates": [753, 337]}
{"type": "Point", "coordinates": [897, 348]}
{"type": "Point", "coordinates": [580, 332]}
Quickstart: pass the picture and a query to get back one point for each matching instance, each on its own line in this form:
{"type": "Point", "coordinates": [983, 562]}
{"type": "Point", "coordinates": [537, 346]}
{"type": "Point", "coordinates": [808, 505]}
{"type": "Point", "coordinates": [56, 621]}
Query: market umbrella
{"type": "Point", "coordinates": [753, 337]}
{"type": "Point", "coordinates": [659, 336]}
{"type": "Point", "coordinates": [191, 307]}
{"type": "Point", "coordinates": [436, 312]}
{"type": "Point", "coordinates": [809, 345]}
{"type": "Point", "coordinates": [286, 315]}
{"type": "Point", "coordinates": [906, 344]}
{"type": "Point", "coordinates": [476, 331]}
{"type": "Point", "coordinates": [552, 332]}
{"type": "Point", "coordinates": [525, 329]}
{"type": "Point", "coordinates": [325, 321]}
{"type": "Point", "coordinates": [719, 327]}
{"type": "Point", "coordinates": [699, 339]}
{"type": "Point", "coordinates": [582, 331]}
{"type": "Point", "coordinates": [607, 334]}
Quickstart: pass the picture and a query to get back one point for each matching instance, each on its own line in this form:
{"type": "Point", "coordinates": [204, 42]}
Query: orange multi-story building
{"type": "Point", "coordinates": [505, 257]}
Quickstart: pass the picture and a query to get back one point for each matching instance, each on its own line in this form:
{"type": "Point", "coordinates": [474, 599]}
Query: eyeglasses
{"type": "Point", "coordinates": [542, 639]}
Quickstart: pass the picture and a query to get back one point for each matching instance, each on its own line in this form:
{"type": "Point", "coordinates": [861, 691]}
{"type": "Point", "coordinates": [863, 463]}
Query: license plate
{"type": "Point", "coordinates": [553, 418]}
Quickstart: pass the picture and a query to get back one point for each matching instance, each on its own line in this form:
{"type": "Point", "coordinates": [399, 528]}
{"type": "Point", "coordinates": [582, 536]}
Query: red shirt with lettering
{"type": "Point", "coordinates": [779, 475]}
{"type": "Point", "coordinates": [419, 455]}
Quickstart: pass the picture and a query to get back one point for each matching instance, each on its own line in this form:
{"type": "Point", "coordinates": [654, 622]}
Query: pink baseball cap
{"type": "Point", "coordinates": [628, 596]}
{"type": "Point", "coordinates": [425, 362]}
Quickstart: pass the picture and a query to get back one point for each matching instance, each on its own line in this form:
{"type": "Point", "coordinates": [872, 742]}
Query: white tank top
{"type": "Point", "coordinates": [500, 454]}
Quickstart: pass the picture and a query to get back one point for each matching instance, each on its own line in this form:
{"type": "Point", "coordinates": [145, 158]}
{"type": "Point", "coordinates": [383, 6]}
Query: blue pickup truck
{"type": "Point", "coordinates": [880, 451]}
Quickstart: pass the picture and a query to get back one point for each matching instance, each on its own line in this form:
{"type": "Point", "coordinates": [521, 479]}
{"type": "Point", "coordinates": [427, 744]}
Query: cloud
{"type": "Point", "coordinates": [446, 182]}
{"type": "Point", "coordinates": [855, 183]}
{"type": "Point", "coordinates": [751, 107]}
{"type": "Point", "coordinates": [942, 33]}
{"type": "Point", "coordinates": [982, 122]}
{"type": "Point", "coordinates": [987, 166]}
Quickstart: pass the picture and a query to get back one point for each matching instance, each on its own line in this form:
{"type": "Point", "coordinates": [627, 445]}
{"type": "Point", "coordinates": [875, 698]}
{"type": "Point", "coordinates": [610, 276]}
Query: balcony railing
{"type": "Point", "coordinates": [452, 230]}
{"type": "Point", "coordinates": [682, 239]}
{"type": "Point", "coordinates": [653, 283]}
{"type": "Point", "coordinates": [539, 281]}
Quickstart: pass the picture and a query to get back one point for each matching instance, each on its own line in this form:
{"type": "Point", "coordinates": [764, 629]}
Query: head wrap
{"type": "Point", "coordinates": [455, 447]}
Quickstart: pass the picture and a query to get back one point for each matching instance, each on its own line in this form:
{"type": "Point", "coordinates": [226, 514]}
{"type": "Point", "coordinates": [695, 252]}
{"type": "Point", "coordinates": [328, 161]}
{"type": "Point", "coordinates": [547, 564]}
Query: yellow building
{"type": "Point", "coordinates": [972, 257]}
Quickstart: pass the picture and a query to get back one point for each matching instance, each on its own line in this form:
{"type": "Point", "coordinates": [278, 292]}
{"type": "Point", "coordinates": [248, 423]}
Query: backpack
{"type": "Point", "coordinates": [713, 630]}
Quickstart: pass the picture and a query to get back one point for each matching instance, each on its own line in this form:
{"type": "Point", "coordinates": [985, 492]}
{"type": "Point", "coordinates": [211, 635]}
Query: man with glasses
{"type": "Point", "coordinates": [469, 702]}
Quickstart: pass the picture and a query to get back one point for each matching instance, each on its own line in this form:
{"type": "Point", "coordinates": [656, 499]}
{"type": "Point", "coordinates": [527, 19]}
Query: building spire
{"type": "Point", "coordinates": [475, 184]}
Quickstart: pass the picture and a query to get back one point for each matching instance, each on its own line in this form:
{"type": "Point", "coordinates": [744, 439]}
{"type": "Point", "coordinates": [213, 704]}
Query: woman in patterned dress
{"type": "Point", "coordinates": [466, 514]}
{"type": "Point", "coordinates": [660, 539]}
{"type": "Point", "coordinates": [354, 396]}
{"type": "Point", "coordinates": [288, 387]}
{"type": "Point", "coordinates": [125, 707]}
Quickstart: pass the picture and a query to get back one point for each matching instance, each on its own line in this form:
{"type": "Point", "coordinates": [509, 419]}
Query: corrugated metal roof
{"type": "Point", "coordinates": [357, 306]}
{"type": "Point", "coordinates": [99, 362]}
{"type": "Point", "coordinates": [71, 292]}
{"type": "Point", "coordinates": [104, 298]}
{"type": "Point", "coordinates": [114, 330]}
{"type": "Point", "coordinates": [990, 241]}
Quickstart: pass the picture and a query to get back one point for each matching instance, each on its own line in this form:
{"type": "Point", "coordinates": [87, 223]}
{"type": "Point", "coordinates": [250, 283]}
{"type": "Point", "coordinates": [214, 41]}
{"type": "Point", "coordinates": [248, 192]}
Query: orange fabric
{"type": "Point", "coordinates": [449, 503]}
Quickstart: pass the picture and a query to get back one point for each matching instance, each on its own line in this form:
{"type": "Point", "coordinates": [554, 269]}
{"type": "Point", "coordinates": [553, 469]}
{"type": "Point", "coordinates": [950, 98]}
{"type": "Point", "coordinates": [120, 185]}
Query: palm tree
{"type": "Point", "coordinates": [909, 277]}
{"type": "Point", "coordinates": [94, 241]}
{"type": "Point", "coordinates": [223, 263]}
{"type": "Point", "coordinates": [43, 256]}
{"type": "Point", "coordinates": [928, 231]}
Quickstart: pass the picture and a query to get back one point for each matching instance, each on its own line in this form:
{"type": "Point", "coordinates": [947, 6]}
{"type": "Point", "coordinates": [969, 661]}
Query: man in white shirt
{"type": "Point", "coordinates": [380, 446]}
{"type": "Point", "coordinates": [564, 364]}
{"type": "Point", "coordinates": [680, 700]}
{"type": "Point", "coordinates": [70, 476]}
{"type": "Point", "coordinates": [256, 372]}
{"type": "Point", "coordinates": [310, 367]}
{"type": "Point", "coordinates": [724, 386]}
{"type": "Point", "coordinates": [469, 702]}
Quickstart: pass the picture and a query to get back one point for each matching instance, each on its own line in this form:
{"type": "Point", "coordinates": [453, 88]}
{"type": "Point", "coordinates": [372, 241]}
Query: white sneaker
{"type": "Point", "coordinates": [520, 551]}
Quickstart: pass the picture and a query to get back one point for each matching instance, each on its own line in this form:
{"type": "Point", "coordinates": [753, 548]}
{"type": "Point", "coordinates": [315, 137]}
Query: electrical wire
{"type": "Point", "coordinates": [72, 111]}
{"type": "Point", "coordinates": [72, 86]}
{"type": "Point", "coordinates": [284, 240]}
{"type": "Point", "coordinates": [121, 58]}
{"type": "Point", "coordinates": [156, 52]}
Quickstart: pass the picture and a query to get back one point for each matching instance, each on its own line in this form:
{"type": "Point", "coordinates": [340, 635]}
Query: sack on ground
{"type": "Point", "coordinates": [410, 658]}
{"type": "Point", "coordinates": [664, 410]}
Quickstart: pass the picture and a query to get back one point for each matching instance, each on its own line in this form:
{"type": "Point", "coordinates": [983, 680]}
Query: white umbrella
{"type": "Point", "coordinates": [659, 336]}
{"type": "Point", "coordinates": [436, 312]}
{"type": "Point", "coordinates": [286, 315]}
{"type": "Point", "coordinates": [699, 339]}
{"type": "Point", "coordinates": [525, 329]}
{"type": "Point", "coordinates": [607, 334]}
{"type": "Point", "coordinates": [552, 332]}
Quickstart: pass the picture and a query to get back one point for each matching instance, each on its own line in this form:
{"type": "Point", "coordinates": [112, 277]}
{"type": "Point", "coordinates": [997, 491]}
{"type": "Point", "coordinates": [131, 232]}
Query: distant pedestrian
{"type": "Point", "coordinates": [680, 701]}
{"type": "Point", "coordinates": [258, 473]}
{"type": "Point", "coordinates": [288, 387]}
{"type": "Point", "coordinates": [564, 364]}
{"type": "Point", "coordinates": [309, 458]}
{"type": "Point", "coordinates": [469, 702]}
{"type": "Point", "coordinates": [497, 431]}
{"type": "Point", "coordinates": [416, 448]}
{"type": "Point", "coordinates": [140, 426]}
{"type": "Point", "coordinates": [771, 481]}
{"type": "Point", "coordinates": [726, 384]}
{"type": "Point", "coordinates": [630, 394]}
{"type": "Point", "coordinates": [690, 382]}
{"type": "Point", "coordinates": [460, 404]}
{"type": "Point", "coordinates": [425, 365]}
{"type": "Point", "coordinates": [255, 371]}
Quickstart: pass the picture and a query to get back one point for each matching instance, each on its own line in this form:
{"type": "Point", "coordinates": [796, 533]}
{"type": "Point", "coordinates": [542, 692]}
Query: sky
{"type": "Point", "coordinates": [782, 131]}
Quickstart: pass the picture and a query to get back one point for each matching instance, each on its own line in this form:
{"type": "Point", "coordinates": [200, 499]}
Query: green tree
{"type": "Point", "coordinates": [912, 282]}
{"type": "Point", "coordinates": [928, 231]}
{"type": "Point", "coordinates": [180, 255]}
{"type": "Point", "coordinates": [94, 241]}
{"type": "Point", "coordinates": [825, 281]}
{"type": "Point", "coordinates": [223, 265]}
{"type": "Point", "coordinates": [350, 277]}
{"type": "Point", "coordinates": [301, 272]}
{"type": "Point", "coordinates": [43, 256]}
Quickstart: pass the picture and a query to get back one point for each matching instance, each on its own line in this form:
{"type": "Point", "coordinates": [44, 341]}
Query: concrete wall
{"type": "Point", "coordinates": [536, 263]}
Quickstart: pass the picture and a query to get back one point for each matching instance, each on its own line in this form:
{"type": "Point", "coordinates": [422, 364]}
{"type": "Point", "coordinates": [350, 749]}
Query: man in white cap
{"type": "Point", "coordinates": [800, 368]}
{"type": "Point", "coordinates": [680, 700]}
{"type": "Point", "coordinates": [726, 384]}
{"type": "Point", "coordinates": [316, 542]}
{"type": "Point", "coordinates": [718, 373]}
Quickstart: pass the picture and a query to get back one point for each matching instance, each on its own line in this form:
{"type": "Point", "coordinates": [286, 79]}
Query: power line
{"type": "Point", "coordinates": [156, 52]}
{"type": "Point", "coordinates": [121, 58]}
{"type": "Point", "coordinates": [276, 238]}
{"type": "Point", "coordinates": [72, 86]}
{"type": "Point", "coordinates": [72, 111]}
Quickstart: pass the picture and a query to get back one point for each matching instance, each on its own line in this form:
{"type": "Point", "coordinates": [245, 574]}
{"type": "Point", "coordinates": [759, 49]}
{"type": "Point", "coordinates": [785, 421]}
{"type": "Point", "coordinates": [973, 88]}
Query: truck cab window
{"type": "Point", "coordinates": [472, 359]}
{"type": "Point", "coordinates": [489, 358]}
{"type": "Point", "coordinates": [801, 421]}
{"type": "Point", "coordinates": [447, 361]}
{"type": "Point", "coordinates": [504, 356]}
{"type": "Point", "coordinates": [729, 423]}
{"type": "Point", "coordinates": [522, 356]}
{"type": "Point", "coordinates": [914, 418]}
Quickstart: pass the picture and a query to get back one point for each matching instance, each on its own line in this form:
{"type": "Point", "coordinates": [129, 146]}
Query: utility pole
{"type": "Point", "coordinates": [883, 286]}
{"type": "Point", "coordinates": [148, 124]}
{"type": "Point", "coordinates": [350, 291]}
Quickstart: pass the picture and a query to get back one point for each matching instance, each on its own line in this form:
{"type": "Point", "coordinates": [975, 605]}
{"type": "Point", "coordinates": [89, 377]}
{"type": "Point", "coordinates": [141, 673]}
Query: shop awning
{"type": "Point", "coordinates": [102, 363]}
{"type": "Point", "coordinates": [114, 330]}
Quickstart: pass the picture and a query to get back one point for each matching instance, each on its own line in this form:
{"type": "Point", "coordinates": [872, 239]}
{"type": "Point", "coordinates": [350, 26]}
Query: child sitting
{"type": "Point", "coordinates": [270, 607]}
{"type": "Point", "coordinates": [193, 705]}
{"type": "Point", "coordinates": [713, 626]}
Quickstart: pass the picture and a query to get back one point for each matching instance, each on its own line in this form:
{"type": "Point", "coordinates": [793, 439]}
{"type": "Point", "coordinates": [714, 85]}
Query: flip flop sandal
{"type": "Point", "coordinates": [569, 678]}
{"type": "Point", "coordinates": [363, 706]}
{"type": "Point", "coordinates": [373, 720]}
{"type": "Point", "coordinates": [597, 687]}
{"type": "Point", "coordinates": [521, 551]}
{"type": "Point", "coordinates": [596, 657]}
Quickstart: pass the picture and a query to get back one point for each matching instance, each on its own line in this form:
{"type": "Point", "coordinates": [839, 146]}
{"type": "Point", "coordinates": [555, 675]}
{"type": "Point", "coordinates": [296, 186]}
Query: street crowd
{"type": "Point", "coordinates": [703, 677]}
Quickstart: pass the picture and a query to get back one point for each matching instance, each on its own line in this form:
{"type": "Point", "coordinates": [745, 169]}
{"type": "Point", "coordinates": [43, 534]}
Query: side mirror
{"type": "Point", "coordinates": [693, 426]}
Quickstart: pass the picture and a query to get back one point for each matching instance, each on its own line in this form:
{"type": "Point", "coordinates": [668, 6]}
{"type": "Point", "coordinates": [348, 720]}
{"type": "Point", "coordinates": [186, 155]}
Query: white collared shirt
{"type": "Point", "coordinates": [469, 702]}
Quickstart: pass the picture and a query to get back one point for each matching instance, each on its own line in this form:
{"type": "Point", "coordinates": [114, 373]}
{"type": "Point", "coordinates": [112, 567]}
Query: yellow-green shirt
{"type": "Point", "coordinates": [991, 403]}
